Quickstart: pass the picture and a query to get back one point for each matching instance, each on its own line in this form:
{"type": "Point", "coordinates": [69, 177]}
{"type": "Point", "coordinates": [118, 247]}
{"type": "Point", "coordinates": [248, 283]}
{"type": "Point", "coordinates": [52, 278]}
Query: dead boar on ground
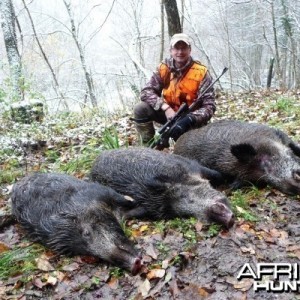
{"type": "Point", "coordinates": [74, 217]}
{"type": "Point", "coordinates": [245, 153]}
{"type": "Point", "coordinates": [164, 185]}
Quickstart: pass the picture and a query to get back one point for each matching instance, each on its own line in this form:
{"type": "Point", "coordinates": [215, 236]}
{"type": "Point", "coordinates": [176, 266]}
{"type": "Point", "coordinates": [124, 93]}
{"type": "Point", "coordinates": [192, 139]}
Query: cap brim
{"type": "Point", "coordinates": [180, 40]}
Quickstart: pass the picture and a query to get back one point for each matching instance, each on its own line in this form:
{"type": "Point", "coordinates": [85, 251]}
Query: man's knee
{"type": "Point", "coordinates": [142, 110]}
{"type": "Point", "coordinates": [143, 116]}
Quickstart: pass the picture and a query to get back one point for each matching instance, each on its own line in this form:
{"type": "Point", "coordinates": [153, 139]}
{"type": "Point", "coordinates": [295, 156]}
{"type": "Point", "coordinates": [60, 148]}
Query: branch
{"type": "Point", "coordinates": [135, 61]}
{"type": "Point", "coordinates": [57, 88]}
{"type": "Point", "coordinates": [100, 27]}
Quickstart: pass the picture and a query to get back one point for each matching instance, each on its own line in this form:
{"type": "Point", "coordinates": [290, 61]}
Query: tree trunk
{"type": "Point", "coordinates": [162, 29]}
{"type": "Point", "coordinates": [182, 13]}
{"type": "Point", "coordinates": [56, 84]}
{"type": "Point", "coordinates": [287, 24]}
{"type": "Point", "coordinates": [270, 73]}
{"type": "Point", "coordinates": [174, 25]}
{"type": "Point", "coordinates": [87, 75]}
{"type": "Point", "coordinates": [11, 46]}
{"type": "Point", "coordinates": [277, 55]}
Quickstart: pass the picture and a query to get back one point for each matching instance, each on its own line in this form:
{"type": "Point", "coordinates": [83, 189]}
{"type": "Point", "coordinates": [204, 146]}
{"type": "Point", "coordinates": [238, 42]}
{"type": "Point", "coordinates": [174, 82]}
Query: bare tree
{"type": "Point", "coordinates": [88, 77]}
{"type": "Point", "coordinates": [182, 13]}
{"type": "Point", "coordinates": [276, 47]}
{"type": "Point", "coordinates": [288, 29]}
{"type": "Point", "coordinates": [11, 45]}
{"type": "Point", "coordinates": [162, 29]}
{"type": "Point", "coordinates": [228, 47]}
{"type": "Point", "coordinates": [174, 25]}
{"type": "Point", "coordinates": [199, 44]}
{"type": "Point", "coordinates": [56, 84]}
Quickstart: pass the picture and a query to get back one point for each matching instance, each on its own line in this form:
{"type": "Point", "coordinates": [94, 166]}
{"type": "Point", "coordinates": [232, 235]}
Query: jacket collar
{"type": "Point", "coordinates": [178, 72]}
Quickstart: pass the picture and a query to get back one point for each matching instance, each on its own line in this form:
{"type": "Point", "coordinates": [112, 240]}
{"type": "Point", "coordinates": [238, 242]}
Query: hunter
{"type": "Point", "coordinates": [178, 79]}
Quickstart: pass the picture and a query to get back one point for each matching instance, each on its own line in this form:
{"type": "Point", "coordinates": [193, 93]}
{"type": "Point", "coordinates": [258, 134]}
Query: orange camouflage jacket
{"type": "Point", "coordinates": [175, 86]}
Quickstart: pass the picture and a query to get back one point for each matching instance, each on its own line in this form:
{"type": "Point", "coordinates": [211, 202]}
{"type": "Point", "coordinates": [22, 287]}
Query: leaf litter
{"type": "Point", "coordinates": [176, 265]}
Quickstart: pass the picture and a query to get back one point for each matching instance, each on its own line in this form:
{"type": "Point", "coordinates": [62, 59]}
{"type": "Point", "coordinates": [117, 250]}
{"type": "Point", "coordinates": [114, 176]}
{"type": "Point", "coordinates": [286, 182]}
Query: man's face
{"type": "Point", "coordinates": [181, 52]}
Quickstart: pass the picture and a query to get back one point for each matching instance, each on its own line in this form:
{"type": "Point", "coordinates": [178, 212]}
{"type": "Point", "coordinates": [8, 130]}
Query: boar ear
{"type": "Point", "coordinates": [295, 148]}
{"type": "Point", "coordinates": [243, 152]}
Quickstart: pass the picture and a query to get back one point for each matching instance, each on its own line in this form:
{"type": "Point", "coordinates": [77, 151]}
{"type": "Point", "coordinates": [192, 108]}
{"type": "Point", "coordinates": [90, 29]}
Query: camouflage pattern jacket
{"type": "Point", "coordinates": [153, 92]}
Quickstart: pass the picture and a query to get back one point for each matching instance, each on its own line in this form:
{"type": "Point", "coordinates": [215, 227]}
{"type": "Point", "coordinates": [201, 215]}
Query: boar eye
{"type": "Point", "coordinates": [296, 175]}
{"type": "Point", "coordinates": [86, 233]}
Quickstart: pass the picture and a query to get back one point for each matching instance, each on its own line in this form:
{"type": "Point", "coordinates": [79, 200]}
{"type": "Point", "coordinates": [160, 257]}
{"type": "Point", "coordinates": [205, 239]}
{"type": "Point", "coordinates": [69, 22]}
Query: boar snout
{"type": "Point", "coordinates": [221, 213]}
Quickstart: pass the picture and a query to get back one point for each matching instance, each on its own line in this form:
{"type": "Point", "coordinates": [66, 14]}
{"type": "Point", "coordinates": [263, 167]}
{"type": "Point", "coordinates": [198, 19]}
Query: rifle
{"type": "Point", "coordinates": [163, 141]}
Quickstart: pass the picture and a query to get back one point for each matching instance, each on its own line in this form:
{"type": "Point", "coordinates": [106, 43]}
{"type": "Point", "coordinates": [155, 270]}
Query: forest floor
{"type": "Point", "coordinates": [183, 259]}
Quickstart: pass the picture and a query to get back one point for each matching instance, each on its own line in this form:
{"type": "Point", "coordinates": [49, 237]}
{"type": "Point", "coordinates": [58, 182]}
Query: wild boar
{"type": "Point", "coordinates": [164, 185]}
{"type": "Point", "coordinates": [245, 153]}
{"type": "Point", "coordinates": [74, 217]}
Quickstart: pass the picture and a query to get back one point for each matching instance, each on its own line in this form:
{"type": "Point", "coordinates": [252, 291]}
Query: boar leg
{"type": "Point", "coordinates": [237, 184]}
{"type": "Point", "coordinates": [138, 212]}
{"type": "Point", "coordinates": [214, 177]}
{"type": "Point", "coordinates": [124, 201]}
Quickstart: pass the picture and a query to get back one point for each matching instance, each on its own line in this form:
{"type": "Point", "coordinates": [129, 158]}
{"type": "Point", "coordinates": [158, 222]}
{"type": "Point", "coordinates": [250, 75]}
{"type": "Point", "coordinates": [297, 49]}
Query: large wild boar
{"type": "Point", "coordinates": [245, 153]}
{"type": "Point", "coordinates": [163, 185]}
{"type": "Point", "coordinates": [74, 217]}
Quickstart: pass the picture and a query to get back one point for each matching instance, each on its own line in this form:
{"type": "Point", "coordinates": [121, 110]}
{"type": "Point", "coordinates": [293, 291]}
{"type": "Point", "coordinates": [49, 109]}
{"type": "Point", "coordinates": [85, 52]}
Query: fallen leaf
{"type": "Point", "coordinates": [151, 251]}
{"type": "Point", "coordinates": [203, 293]}
{"type": "Point", "coordinates": [3, 248]}
{"type": "Point", "coordinates": [161, 284]}
{"type": "Point", "coordinates": [71, 267]}
{"type": "Point", "coordinates": [145, 287]}
{"type": "Point", "coordinates": [243, 285]}
{"type": "Point", "coordinates": [89, 259]}
{"type": "Point", "coordinates": [165, 263]}
{"type": "Point", "coordinates": [147, 259]}
{"type": "Point", "coordinates": [144, 228]}
{"type": "Point", "coordinates": [173, 287]}
{"type": "Point", "coordinates": [113, 283]}
{"type": "Point", "coordinates": [156, 273]}
{"type": "Point", "coordinates": [293, 248]}
{"type": "Point", "coordinates": [297, 254]}
{"type": "Point", "coordinates": [274, 232]}
{"type": "Point", "coordinates": [2, 290]}
{"type": "Point", "coordinates": [246, 227]}
{"type": "Point", "coordinates": [231, 280]}
{"type": "Point", "coordinates": [60, 275]}
{"type": "Point", "coordinates": [198, 226]}
{"type": "Point", "coordinates": [38, 283]}
{"type": "Point", "coordinates": [267, 238]}
{"type": "Point", "coordinates": [52, 280]}
{"type": "Point", "coordinates": [168, 277]}
{"type": "Point", "coordinates": [136, 233]}
{"type": "Point", "coordinates": [43, 264]}
{"type": "Point", "coordinates": [248, 250]}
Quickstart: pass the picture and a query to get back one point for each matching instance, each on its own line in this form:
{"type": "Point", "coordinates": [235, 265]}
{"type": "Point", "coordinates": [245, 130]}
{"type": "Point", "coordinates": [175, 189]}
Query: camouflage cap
{"type": "Point", "coordinates": [180, 37]}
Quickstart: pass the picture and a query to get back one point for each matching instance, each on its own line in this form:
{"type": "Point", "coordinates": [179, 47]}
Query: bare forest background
{"type": "Point", "coordinates": [96, 53]}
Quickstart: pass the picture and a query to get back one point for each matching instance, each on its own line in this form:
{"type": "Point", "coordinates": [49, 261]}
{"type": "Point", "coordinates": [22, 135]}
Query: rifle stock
{"type": "Point", "coordinates": [163, 141]}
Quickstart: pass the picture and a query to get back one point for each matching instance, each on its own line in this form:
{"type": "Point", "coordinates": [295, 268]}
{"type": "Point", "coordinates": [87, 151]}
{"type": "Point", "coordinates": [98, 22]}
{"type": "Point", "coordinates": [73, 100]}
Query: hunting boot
{"type": "Point", "coordinates": [146, 131]}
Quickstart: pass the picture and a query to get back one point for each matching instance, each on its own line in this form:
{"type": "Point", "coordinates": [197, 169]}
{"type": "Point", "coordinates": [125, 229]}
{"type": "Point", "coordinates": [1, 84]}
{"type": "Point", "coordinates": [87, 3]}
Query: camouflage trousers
{"type": "Point", "coordinates": [144, 116]}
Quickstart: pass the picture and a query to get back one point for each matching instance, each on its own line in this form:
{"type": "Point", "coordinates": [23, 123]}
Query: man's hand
{"type": "Point", "coordinates": [182, 126]}
{"type": "Point", "coordinates": [169, 112]}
